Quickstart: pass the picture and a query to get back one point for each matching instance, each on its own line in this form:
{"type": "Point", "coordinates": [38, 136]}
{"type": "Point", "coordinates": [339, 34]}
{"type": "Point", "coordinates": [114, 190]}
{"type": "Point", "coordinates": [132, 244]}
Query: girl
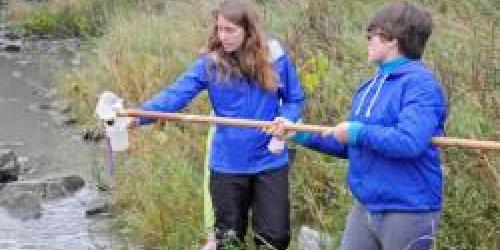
{"type": "Point", "coordinates": [246, 76]}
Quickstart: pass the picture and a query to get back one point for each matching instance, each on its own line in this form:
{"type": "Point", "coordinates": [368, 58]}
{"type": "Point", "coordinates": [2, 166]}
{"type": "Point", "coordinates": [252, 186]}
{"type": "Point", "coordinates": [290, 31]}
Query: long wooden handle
{"type": "Point", "coordinates": [219, 120]}
{"type": "Point", "coordinates": [440, 141]}
{"type": "Point", "coordinates": [465, 143]}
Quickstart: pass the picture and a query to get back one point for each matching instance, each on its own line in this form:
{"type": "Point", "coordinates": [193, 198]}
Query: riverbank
{"type": "Point", "coordinates": [46, 207]}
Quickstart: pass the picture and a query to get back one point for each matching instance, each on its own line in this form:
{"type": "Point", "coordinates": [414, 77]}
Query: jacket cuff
{"type": "Point", "coordinates": [353, 132]}
{"type": "Point", "coordinates": [301, 137]}
{"type": "Point", "coordinates": [144, 120]}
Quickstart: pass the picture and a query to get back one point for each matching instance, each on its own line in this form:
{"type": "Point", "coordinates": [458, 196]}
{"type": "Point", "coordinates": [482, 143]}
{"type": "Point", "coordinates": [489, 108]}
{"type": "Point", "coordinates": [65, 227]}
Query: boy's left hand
{"type": "Point", "coordinates": [339, 131]}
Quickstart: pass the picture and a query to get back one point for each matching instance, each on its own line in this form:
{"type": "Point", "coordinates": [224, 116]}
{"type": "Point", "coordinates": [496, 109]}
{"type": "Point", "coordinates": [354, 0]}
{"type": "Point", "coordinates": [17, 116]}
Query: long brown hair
{"type": "Point", "coordinates": [252, 60]}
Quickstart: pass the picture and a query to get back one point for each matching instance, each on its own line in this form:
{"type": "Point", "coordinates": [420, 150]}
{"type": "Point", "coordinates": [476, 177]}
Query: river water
{"type": "Point", "coordinates": [32, 125]}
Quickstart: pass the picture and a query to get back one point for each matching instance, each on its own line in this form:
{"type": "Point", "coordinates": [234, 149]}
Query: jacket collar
{"type": "Point", "coordinates": [393, 65]}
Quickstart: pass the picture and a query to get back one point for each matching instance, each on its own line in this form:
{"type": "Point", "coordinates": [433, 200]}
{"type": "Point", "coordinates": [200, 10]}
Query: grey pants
{"type": "Point", "coordinates": [389, 231]}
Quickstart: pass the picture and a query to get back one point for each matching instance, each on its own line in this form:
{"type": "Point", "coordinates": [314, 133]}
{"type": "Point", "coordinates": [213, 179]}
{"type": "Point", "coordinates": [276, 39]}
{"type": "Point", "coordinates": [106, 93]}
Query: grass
{"type": "Point", "coordinates": [143, 48]}
{"type": "Point", "coordinates": [159, 198]}
{"type": "Point", "coordinates": [64, 18]}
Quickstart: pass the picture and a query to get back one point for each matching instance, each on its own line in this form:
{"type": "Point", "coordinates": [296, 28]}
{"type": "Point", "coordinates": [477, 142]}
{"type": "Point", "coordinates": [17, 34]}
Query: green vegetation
{"type": "Point", "coordinates": [146, 45]}
{"type": "Point", "coordinates": [65, 18]}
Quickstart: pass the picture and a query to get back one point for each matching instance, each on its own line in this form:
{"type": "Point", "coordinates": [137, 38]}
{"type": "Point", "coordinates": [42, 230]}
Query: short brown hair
{"type": "Point", "coordinates": [406, 23]}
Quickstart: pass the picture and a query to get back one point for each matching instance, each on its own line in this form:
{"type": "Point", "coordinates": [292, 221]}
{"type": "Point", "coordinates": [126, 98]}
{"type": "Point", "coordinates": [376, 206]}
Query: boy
{"type": "Point", "coordinates": [394, 171]}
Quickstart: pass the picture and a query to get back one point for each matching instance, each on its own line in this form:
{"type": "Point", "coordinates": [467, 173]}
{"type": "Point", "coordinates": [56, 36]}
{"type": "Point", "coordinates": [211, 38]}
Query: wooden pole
{"type": "Point", "coordinates": [465, 143]}
{"type": "Point", "coordinates": [439, 141]}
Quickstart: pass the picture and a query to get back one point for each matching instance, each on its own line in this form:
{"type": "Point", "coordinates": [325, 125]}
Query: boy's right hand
{"type": "Point", "coordinates": [277, 129]}
{"type": "Point", "coordinates": [339, 132]}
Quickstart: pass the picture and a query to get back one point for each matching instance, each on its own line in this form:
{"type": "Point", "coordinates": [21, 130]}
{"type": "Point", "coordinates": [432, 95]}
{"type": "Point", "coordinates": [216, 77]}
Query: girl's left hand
{"type": "Point", "coordinates": [277, 129]}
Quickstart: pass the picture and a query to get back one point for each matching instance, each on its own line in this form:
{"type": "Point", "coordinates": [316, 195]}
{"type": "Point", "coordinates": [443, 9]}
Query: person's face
{"type": "Point", "coordinates": [380, 49]}
{"type": "Point", "coordinates": [230, 34]}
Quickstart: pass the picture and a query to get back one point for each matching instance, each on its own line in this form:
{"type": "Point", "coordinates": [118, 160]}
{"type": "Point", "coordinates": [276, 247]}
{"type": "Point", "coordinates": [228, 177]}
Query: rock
{"type": "Point", "coordinates": [70, 121]}
{"type": "Point", "coordinates": [34, 186]}
{"type": "Point", "coordinates": [62, 186]}
{"type": "Point", "coordinates": [10, 43]}
{"type": "Point", "coordinates": [10, 172]}
{"type": "Point", "coordinates": [61, 106]}
{"type": "Point", "coordinates": [102, 205]}
{"type": "Point", "coordinates": [54, 189]}
{"type": "Point", "coordinates": [310, 239]}
{"type": "Point", "coordinates": [61, 119]}
{"type": "Point", "coordinates": [9, 166]}
{"type": "Point", "coordinates": [92, 134]}
{"type": "Point", "coordinates": [50, 188]}
{"type": "Point", "coordinates": [13, 36]}
{"type": "Point", "coordinates": [25, 205]}
{"type": "Point", "coordinates": [72, 183]}
{"type": "Point", "coordinates": [44, 106]}
{"type": "Point", "coordinates": [13, 47]}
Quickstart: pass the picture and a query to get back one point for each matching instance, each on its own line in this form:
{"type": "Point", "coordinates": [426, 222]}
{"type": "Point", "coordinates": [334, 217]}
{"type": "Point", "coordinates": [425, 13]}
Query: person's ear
{"type": "Point", "coordinates": [393, 43]}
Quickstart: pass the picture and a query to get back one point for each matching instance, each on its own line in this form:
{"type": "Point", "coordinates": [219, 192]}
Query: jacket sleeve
{"type": "Point", "coordinates": [423, 112]}
{"type": "Point", "coordinates": [291, 93]}
{"type": "Point", "coordinates": [176, 96]}
{"type": "Point", "coordinates": [328, 145]}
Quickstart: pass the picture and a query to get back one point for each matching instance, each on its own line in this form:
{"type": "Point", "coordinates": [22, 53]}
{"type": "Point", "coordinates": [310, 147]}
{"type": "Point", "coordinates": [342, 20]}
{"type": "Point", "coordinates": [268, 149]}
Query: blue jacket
{"type": "Point", "coordinates": [234, 149]}
{"type": "Point", "coordinates": [392, 164]}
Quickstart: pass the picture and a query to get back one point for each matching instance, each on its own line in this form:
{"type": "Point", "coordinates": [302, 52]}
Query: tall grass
{"type": "Point", "coordinates": [159, 194]}
{"type": "Point", "coordinates": [144, 48]}
{"type": "Point", "coordinates": [64, 18]}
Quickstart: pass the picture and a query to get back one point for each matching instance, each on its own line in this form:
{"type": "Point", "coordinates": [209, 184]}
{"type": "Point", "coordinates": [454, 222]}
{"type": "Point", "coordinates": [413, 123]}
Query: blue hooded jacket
{"type": "Point", "coordinates": [238, 150]}
{"type": "Point", "coordinates": [392, 164]}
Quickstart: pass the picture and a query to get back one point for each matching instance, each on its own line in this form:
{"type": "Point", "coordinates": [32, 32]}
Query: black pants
{"type": "Point", "coordinates": [265, 195]}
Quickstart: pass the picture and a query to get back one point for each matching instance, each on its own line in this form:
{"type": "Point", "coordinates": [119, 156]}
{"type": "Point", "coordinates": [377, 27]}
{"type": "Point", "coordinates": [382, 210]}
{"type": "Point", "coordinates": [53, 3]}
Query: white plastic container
{"type": "Point", "coordinates": [118, 134]}
{"type": "Point", "coordinates": [107, 106]}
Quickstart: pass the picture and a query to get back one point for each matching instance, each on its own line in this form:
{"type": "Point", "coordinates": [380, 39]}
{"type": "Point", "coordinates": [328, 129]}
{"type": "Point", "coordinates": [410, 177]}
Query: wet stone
{"type": "Point", "coordinates": [310, 239]}
{"type": "Point", "coordinates": [9, 166]}
{"type": "Point", "coordinates": [25, 205]}
{"type": "Point", "coordinates": [102, 205]}
{"type": "Point", "coordinates": [10, 43]}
